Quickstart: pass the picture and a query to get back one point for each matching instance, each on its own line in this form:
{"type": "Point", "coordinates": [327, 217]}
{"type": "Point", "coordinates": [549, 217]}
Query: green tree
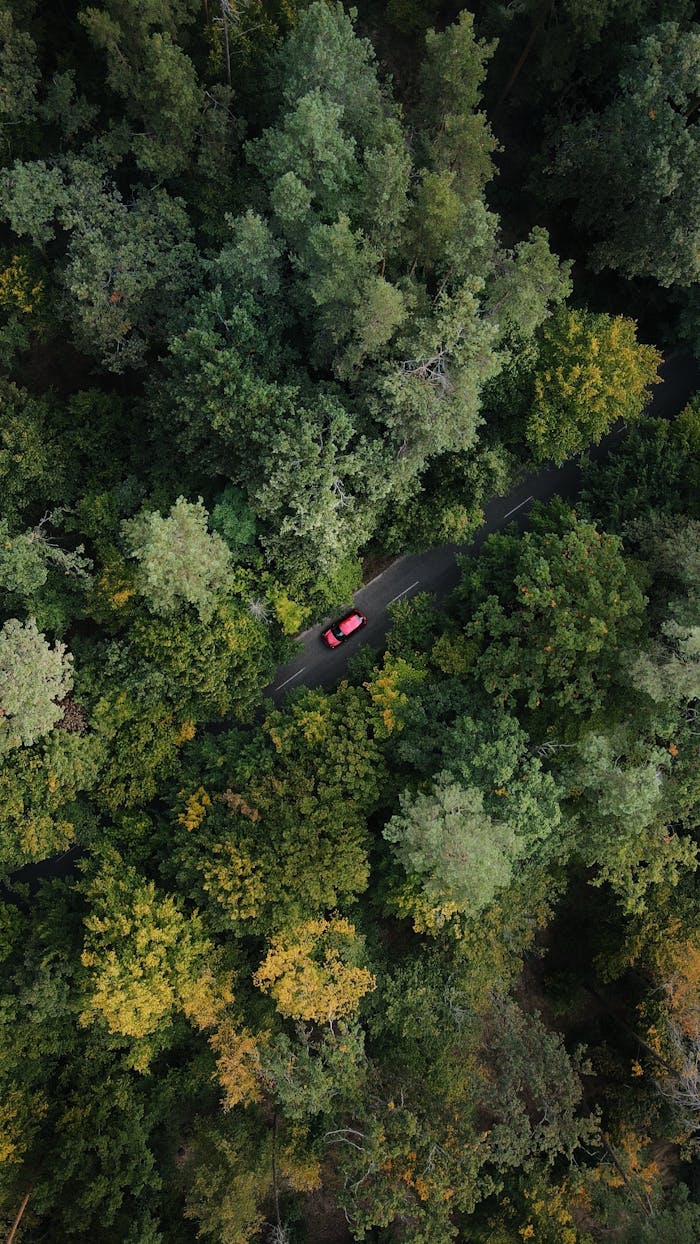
{"type": "Point", "coordinates": [26, 559]}
{"type": "Point", "coordinates": [677, 1223]}
{"type": "Point", "coordinates": [286, 837]}
{"type": "Point", "coordinates": [528, 283]}
{"type": "Point", "coordinates": [34, 676]}
{"type": "Point", "coordinates": [43, 792]}
{"type": "Point", "coordinates": [30, 197]}
{"type": "Point", "coordinates": [218, 390]}
{"type": "Point", "coordinates": [337, 148]}
{"type": "Point", "coordinates": [249, 260]}
{"type": "Point", "coordinates": [308, 501]}
{"type": "Point", "coordinates": [322, 52]}
{"type": "Point", "coordinates": [233, 520]}
{"type": "Point", "coordinates": [32, 471]}
{"type": "Point", "coordinates": [493, 753]}
{"type": "Point", "coordinates": [622, 801]}
{"type": "Point", "coordinates": [85, 1154]}
{"type": "Point", "coordinates": [128, 267]}
{"type": "Point", "coordinates": [444, 838]}
{"type": "Point", "coordinates": [655, 468]}
{"type": "Point", "coordinates": [228, 1175]}
{"type": "Point", "coordinates": [318, 1071]}
{"type": "Point", "coordinates": [152, 74]}
{"type": "Point", "coordinates": [531, 1089]}
{"type": "Point", "coordinates": [429, 396]}
{"type": "Point", "coordinates": [670, 672]}
{"type": "Point", "coordinates": [631, 167]}
{"type": "Point", "coordinates": [179, 560]}
{"type": "Point", "coordinates": [308, 162]}
{"type": "Point", "coordinates": [457, 137]}
{"type": "Point", "coordinates": [358, 311]}
{"type": "Point", "coordinates": [137, 721]}
{"type": "Point", "coordinates": [551, 613]}
{"type": "Point", "coordinates": [212, 665]}
{"type": "Point", "coordinates": [19, 73]}
{"type": "Point", "coordinates": [450, 232]}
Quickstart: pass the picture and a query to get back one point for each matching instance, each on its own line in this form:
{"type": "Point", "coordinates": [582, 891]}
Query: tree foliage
{"type": "Point", "coordinates": [632, 166]}
{"type": "Point", "coordinates": [286, 290]}
{"type": "Point", "coordinates": [34, 677]}
{"type": "Point", "coordinates": [446, 839]}
{"type": "Point", "coordinates": [313, 971]}
{"type": "Point", "coordinates": [552, 611]}
{"type": "Point", "coordinates": [179, 559]}
{"type": "Point", "coordinates": [590, 373]}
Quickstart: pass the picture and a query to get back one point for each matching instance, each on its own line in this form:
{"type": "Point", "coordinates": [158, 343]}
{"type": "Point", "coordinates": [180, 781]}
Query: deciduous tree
{"type": "Point", "coordinates": [313, 971]}
{"type": "Point", "coordinates": [179, 560]}
{"type": "Point", "coordinates": [34, 676]}
{"type": "Point", "coordinates": [145, 959]}
{"type": "Point", "coordinates": [460, 856]}
{"type": "Point", "coordinates": [552, 611]}
{"type": "Point", "coordinates": [590, 372]}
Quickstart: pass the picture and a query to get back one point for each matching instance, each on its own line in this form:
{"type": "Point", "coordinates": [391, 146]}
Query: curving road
{"type": "Point", "coordinates": [436, 571]}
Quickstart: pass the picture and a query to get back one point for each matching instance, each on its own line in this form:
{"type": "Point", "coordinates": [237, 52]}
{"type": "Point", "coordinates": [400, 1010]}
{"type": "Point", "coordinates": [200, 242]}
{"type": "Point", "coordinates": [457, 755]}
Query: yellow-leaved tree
{"type": "Point", "coordinates": [590, 372]}
{"type": "Point", "coordinates": [313, 970]}
{"type": "Point", "coordinates": [145, 960]}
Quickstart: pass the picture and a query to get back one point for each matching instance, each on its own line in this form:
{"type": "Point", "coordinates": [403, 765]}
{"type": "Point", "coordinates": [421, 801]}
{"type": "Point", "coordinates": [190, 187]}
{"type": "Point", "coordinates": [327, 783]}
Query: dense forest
{"type": "Point", "coordinates": [288, 290]}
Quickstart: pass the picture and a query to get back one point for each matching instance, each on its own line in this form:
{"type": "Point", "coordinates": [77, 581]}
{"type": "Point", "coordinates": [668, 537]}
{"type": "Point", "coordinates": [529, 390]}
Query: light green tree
{"type": "Point", "coordinates": [622, 797]}
{"type": "Point", "coordinates": [309, 500]}
{"type": "Point", "coordinates": [25, 559]}
{"type": "Point", "coordinates": [308, 162]}
{"type": "Point", "coordinates": [460, 855]}
{"type": "Point", "coordinates": [670, 671]}
{"type": "Point", "coordinates": [179, 560]}
{"type": "Point", "coordinates": [527, 284]}
{"type": "Point", "coordinates": [249, 260]}
{"type": "Point", "coordinates": [34, 676]}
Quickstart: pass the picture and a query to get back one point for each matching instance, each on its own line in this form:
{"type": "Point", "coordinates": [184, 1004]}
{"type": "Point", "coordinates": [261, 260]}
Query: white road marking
{"type": "Point", "coordinates": [290, 679]}
{"type": "Point", "coordinates": [406, 589]}
{"type": "Point", "coordinates": [517, 507]}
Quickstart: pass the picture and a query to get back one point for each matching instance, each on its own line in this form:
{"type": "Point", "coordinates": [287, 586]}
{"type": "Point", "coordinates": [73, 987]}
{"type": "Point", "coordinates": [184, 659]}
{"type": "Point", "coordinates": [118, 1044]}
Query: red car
{"type": "Point", "coordinates": [336, 634]}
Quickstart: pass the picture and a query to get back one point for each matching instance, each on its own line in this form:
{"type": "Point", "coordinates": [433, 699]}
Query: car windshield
{"type": "Point", "coordinates": [335, 630]}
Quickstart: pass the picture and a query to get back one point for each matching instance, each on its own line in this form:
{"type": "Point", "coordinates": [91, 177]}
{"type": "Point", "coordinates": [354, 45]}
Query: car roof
{"type": "Point", "coordinates": [350, 622]}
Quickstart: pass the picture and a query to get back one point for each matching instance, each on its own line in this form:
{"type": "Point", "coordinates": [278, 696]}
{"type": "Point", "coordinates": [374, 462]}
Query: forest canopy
{"type": "Point", "coordinates": [411, 953]}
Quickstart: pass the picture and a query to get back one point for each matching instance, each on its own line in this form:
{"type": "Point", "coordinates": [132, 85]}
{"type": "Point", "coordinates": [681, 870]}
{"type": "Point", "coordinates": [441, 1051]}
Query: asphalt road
{"type": "Point", "coordinates": [436, 571]}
